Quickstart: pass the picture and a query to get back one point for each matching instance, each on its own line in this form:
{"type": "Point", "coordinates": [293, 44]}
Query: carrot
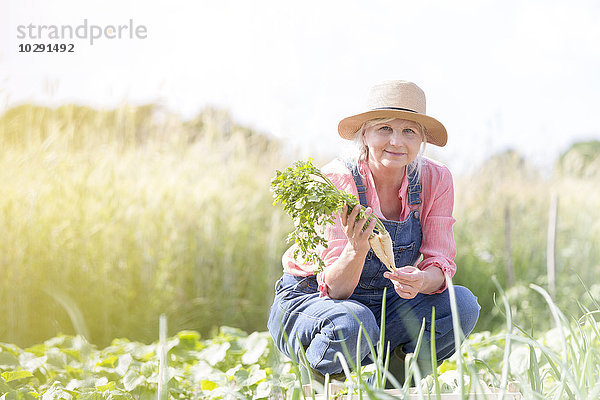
{"type": "Point", "coordinates": [381, 243]}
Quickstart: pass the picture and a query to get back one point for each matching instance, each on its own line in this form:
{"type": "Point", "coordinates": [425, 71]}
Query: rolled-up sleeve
{"type": "Point", "coordinates": [438, 247]}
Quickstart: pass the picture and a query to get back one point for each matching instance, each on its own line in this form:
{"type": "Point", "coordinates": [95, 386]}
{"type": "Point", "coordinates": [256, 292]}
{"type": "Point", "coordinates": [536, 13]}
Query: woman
{"type": "Point", "coordinates": [413, 196]}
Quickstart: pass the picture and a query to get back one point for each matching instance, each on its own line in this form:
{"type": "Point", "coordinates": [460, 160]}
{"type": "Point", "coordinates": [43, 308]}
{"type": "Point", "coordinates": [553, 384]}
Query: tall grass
{"type": "Point", "coordinates": [508, 181]}
{"type": "Point", "coordinates": [124, 219]}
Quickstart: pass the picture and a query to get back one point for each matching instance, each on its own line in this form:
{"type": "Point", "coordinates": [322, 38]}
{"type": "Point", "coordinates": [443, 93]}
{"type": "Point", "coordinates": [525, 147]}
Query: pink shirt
{"type": "Point", "coordinates": [437, 201]}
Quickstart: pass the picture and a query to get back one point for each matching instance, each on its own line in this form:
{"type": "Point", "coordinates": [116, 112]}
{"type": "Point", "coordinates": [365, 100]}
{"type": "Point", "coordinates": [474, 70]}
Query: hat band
{"type": "Point", "coordinates": [396, 108]}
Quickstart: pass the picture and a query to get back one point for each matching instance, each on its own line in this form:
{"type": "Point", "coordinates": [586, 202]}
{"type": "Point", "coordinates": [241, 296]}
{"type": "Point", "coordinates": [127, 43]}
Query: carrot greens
{"type": "Point", "coordinates": [313, 201]}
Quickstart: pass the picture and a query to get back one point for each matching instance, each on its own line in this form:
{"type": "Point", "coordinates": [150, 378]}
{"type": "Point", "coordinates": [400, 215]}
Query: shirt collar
{"type": "Point", "coordinates": [365, 171]}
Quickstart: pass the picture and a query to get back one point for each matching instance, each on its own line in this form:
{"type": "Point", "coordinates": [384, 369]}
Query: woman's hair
{"type": "Point", "coordinates": [362, 152]}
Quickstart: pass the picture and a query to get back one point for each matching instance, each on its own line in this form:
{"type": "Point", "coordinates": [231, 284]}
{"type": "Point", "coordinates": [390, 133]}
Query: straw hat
{"type": "Point", "coordinates": [395, 99]}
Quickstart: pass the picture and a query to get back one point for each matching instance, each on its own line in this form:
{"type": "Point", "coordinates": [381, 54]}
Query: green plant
{"type": "Point", "coordinates": [312, 200]}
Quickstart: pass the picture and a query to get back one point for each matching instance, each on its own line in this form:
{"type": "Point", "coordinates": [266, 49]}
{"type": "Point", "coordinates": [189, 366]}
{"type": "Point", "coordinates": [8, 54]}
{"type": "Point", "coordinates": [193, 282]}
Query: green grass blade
{"type": "Point", "coordinates": [358, 360]}
{"type": "Point", "coordinates": [434, 363]}
{"type": "Point", "coordinates": [559, 319]}
{"type": "Point", "coordinates": [505, 362]}
{"type": "Point", "coordinates": [489, 369]}
{"type": "Point", "coordinates": [340, 356]}
{"type": "Point", "coordinates": [306, 365]}
{"type": "Point", "coordinates": [380, 366]}
{"type": "Point", "coordinates": [381, 376]}
{"type": "Point", "coordinates": [73, 311]}
{"type": "Point", "coordinates": [587, 290]}
{"type": "Point", "coordinates": [458, 334]}
{"type": "Point", "coordinates": [411, 363]}
{"type": "Point", "coordinates": [534, 371]}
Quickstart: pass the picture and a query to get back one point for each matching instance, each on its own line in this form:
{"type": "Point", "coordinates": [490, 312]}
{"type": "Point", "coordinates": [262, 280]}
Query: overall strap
{"type": "Point", "coordinates": [414, 188]}
{"type": "Point", "coordinates": [362, 189]}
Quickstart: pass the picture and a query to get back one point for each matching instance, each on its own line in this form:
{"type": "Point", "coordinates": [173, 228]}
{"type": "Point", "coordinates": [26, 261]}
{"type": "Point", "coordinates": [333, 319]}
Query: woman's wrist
{"type": "Point", "coordinates": [350, 252]}
{"type": "Point", "coordinates": [434, 279]}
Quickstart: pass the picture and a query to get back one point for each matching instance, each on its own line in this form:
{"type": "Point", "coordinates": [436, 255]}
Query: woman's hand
{"type": "Point", "coordinates": [343, 275]}
{"type": "Point", "coordinates": [408, 281]}
{"type": "Point", "coordinates": [358, 238]}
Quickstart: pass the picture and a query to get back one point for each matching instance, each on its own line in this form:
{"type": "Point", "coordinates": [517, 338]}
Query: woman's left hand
{"type": "Point", "coordinates": [408, 281]}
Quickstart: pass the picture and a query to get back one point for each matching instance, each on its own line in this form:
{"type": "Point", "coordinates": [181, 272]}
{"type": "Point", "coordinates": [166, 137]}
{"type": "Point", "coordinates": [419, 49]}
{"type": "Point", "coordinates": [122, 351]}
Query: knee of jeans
{"type": "Point", "coordinates": [468, 308]}
{"type": "Point", "coordinates": [353, 316]}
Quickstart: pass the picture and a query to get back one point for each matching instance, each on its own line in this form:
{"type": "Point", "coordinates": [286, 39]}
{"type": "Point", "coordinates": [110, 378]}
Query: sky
{"type": "Point", "coordinates": [499, 74]}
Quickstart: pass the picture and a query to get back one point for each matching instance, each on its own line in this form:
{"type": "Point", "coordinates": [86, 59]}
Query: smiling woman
{"type": "Point", "coordinates": [414, 199]}
{"type": "Point", "coordinates": [393, 142]}
{"type": "Point", "coordinates": [361, 150]}
{"type": "Point", "coordinates": [392, 146]}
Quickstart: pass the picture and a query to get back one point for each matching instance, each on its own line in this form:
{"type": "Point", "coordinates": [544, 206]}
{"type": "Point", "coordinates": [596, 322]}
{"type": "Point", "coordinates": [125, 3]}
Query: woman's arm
{"type": "Point", "coordinates": [438, 246]}
{"type": "Point", "coordinates": [343, 275]}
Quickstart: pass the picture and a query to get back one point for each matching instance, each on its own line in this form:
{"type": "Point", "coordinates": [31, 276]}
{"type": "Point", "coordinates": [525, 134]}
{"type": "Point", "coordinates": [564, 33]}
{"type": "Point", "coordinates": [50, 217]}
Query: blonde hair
{"type": "Point", "coordinates": [362, 152]}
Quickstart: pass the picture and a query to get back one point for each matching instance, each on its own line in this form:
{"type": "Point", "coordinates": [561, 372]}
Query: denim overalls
{"type": "Point", "coordinates": [300, 318]}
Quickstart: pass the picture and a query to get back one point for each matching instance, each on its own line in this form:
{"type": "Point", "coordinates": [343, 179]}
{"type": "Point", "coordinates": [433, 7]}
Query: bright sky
{"type": "Point", "coordinates": [498, 73]}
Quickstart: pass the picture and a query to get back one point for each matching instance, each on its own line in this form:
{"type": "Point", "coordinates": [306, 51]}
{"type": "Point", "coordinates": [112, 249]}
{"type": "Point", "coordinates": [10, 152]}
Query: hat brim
{"type": "Point", "coordinates": [436, 132]}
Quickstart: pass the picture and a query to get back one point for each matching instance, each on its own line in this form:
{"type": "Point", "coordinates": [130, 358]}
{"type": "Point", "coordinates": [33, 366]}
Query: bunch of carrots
{"type": "Point", "coordinates": [312, 200]}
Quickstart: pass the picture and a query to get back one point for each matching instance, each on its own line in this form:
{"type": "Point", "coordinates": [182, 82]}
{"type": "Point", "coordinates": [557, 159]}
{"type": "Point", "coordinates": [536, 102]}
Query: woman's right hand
{"type": "Point", "coordinates": [343, 275]}
{"type": "Point", "coordinates": [358, 238]}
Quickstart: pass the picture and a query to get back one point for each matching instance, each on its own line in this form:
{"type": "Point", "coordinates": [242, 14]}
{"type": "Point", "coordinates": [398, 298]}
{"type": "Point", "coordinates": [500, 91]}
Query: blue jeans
{"type": "Point", "coordinates": [300, 318]}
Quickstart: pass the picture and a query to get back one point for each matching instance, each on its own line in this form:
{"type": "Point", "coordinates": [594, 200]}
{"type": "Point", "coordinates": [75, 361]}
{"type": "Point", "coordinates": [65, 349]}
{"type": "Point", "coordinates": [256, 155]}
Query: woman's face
{"type": "Point", "coordinates": [393, 144]}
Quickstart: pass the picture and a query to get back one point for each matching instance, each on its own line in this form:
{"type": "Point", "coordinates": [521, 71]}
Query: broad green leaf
{"type": "Point", "coordinates": [200, 371]}
{"type": "Point", "coordinates": [9, 376]}
{"type": "Point", "coordinates": [38, 349]}
{"type": "Point", "coordinates": [208, 385]}
{"type": "Point", "coordinates": [255, 375]}
{"type": "Point", "coordinates": [263, 391]}
{"type": "Point", "coordinates": [56, 358]}
{"type": "Point", "coordinates": [125, 361]}
{"type": "Point", "coordinates": [188, 339]}
{"type": "Point", "coordinates": [75, 372]}
{"type": "Point", "coordinates": [95, 395]}
{"type": "Point", "coordinates": [119, 395]}
{"type": "Point", "coordinates": [215, 353]}
{"type": "Point", "coordinates": [231, 372]}
{"type": "Point", "coordinates": [82, 346]}
{"type": "Point", "coordinates": [446, 366]}
{"type": "Point", "coordinates": [72, 354]}
{"type": "Point", "coordinates": [30, 362]}
{"type": "Point", "coordinates": [149, 368]}
{"type": "Point", "coordinates": [8, 360]}
{"type": "Point", "coordinates": [108, 361]}
{"type": "Point", "coordinates": [76, 384]}
{"type": "Point", "coordinates": [57, 392]}
{"type": "Point", "coordinates": [519, 360]}
{"type": "Point", "coordinates": [109, 386]}
{"type": "Point", "coordinates": [60, 341]}
{"type": "Point", "coordinates": [132, 380]}
{"type": "Point", "coordinates": [231, 332]}
{"type": "Point", "coordinates": [255, 346]}
{"type": "Point", "coordinates": [101, 381]}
